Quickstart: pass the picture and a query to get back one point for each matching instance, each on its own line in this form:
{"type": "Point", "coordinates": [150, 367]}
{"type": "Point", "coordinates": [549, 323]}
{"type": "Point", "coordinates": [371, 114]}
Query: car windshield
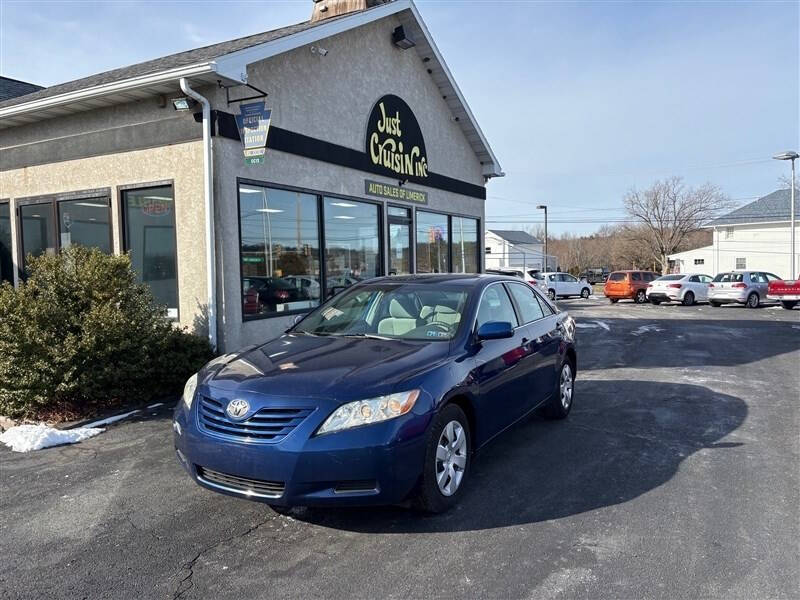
{"type": "Point", "coordinates": [390, 310]}
{"type": "Point", "coordinates": [617, 277]}
{"type": "Point", "coordinates": [729, 277]}
{"type": "Point", "coordinates": [670, 277]}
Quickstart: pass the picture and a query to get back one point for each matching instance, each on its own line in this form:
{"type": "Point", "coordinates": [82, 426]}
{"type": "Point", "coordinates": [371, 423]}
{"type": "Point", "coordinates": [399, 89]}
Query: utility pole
{"type": "Point", "coordinates": [790, 155]}
{"type": "Point", "coordinates": [544, 208]}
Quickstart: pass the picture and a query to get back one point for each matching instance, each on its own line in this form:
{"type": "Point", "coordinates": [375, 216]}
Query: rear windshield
{"type": "Point", "coordinates": [729, 277]}
{"type": "Point", "coordinates": [618, 277]}
{"type": "Point", "coordinates": [670, 277]}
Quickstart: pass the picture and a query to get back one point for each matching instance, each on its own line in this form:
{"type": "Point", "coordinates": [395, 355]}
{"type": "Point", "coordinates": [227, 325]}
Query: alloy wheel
{"type": "Point", "coordinates": [565, 386]}
{"type": "Point", "coordinates": [585, 293]}
{"type": "Point", "coordinates": [641, 298]}
{"type": "Point", "coordinates": [752, 300]}
{"type": "Point", "coordinates": [451, 458]}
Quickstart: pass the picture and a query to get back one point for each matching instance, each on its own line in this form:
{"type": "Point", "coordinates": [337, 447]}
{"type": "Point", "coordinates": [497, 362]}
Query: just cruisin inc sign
{"type": "Point", "coordinates": [394, 139]}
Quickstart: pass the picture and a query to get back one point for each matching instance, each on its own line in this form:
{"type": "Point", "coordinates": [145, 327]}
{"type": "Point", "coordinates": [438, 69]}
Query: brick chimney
{"type": "Point", "coordinates": [325, 9]}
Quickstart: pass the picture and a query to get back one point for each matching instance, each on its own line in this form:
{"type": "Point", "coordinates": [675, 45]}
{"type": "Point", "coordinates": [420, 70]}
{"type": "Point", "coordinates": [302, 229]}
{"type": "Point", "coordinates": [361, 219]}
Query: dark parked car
{"type": "Point", "coordinates": [381, 394]}
{"type": "Point", "coordinates": [270, 293]}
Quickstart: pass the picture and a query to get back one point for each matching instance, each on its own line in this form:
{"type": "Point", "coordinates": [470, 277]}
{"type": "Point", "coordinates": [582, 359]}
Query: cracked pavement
{"type": "Point", "coordinates": [675, 476]}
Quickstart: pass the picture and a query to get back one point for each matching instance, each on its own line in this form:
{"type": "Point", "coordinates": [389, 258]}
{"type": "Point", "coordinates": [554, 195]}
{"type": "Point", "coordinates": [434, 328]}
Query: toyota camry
{"type": "Point", "coordinates": [382, 394]}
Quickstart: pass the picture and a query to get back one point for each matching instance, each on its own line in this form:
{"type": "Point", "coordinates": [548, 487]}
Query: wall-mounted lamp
{"type": "Point", "coordinates": [181, 104]}
{"type": "Point", "coordinates": [400, 40]}
{"type": "Point", "coordinates": [318, 50]}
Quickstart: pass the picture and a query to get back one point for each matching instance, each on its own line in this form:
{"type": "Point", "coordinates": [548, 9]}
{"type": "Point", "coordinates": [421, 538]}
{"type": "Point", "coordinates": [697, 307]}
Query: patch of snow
{"type": "Point", "coordinates": [795, 326]}
{"type": "Point", "coordinates": [110, 420]}
{"type": "Point", "coordinates": [594, 325]}
{"type": "Point", "coordinates": [646, 329]}
{"type": "Point", "coordinates": [25, 438]}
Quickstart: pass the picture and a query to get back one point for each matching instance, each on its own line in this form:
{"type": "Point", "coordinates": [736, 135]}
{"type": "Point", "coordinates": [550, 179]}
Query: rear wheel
{"type": "Point", "coordinates": [640, 297]}
{"type": "Point", "coordinates": [551, 294]}
{"type": "Point", "coordinates": [561, 402]}
{"type": "Point", "coordinates": [753, 300]}
{"type": "Point", "coordinates": [585, 293]}
{"type": "Point", "coordinates": [447, 461]}
{"type": "Point", "coordinates": [788, 304]}
{"type": "Point", "coordinates": [688, 298]}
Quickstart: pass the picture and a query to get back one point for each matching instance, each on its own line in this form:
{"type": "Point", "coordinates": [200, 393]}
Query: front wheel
{"type": "Point", "coordinates": [641, 297]}
{"type": "Point", "coordinates": [753, 300]}
{"type": "Point", "coordinates": [585, 293]}
{"type": "Point", "coordinates": [561, 402]}
{"type": "Point", "coordinates": [447, 460]}
{"type": "Point", "coordinates": [688, 299]}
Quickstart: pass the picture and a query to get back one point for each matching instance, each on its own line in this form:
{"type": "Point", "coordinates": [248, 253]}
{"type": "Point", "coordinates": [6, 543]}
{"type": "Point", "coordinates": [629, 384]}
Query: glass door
{"type": "Point", "coordinates": [399, 241]}
{"type": "Point", "coordinates": [6, 264]}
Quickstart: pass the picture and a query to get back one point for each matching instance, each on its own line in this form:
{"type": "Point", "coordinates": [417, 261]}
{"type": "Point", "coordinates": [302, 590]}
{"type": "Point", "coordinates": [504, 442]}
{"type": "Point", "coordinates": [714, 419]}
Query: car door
{"type": "Point", "coordinates": [703, 287]}
{"type": "Point", "coordinates": [570, 286]}
{"type": "Point", "coordinates": [542, 333]}
{"type": "Point", "coordinates": [498, 367]}
{"type": "Point", "coordinates": [759, 283]}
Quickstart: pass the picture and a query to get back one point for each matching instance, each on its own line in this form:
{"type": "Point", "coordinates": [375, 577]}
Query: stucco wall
{"type": "Point", "coordinates": [182, 163]}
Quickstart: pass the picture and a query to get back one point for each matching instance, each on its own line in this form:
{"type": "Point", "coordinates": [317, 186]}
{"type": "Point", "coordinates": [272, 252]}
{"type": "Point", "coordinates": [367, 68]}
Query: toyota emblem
{"type": "Point", "coordinates": [237, 409]}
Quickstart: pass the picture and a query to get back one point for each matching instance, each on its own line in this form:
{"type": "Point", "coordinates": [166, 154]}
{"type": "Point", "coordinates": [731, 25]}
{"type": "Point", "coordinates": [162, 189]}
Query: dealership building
{"type": "Point", "coordinates": [252, 179]}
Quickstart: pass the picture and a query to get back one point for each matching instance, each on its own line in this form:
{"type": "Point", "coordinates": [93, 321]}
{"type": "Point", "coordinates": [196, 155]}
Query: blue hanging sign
{"type": "Point", "coordinates": [253, 125]}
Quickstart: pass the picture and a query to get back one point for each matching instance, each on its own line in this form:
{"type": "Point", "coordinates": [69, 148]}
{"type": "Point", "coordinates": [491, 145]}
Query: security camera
{"type": "Point", "coordinates": [318, 50]}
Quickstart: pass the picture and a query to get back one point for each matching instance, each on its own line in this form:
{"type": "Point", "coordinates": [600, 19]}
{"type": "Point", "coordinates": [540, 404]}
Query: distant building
{"type": "Point", "coordinates": [755, 236]}
{"type": "Point", "coordinates": [13, 88]}
{"type": "Point", "coordinates": [513, 249]}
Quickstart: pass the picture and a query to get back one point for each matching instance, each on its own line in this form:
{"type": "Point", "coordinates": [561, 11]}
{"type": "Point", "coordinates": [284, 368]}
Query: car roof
{"type": "Point", "coordinates": [465, 279]}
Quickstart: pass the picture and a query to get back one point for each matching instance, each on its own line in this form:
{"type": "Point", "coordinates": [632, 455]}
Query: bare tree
{"type": "Point", "coordinates": [670, 211]}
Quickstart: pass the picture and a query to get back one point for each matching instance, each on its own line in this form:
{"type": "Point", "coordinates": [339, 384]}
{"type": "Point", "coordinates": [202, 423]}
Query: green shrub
{"type": "Point", "coordinates": [82, 334]}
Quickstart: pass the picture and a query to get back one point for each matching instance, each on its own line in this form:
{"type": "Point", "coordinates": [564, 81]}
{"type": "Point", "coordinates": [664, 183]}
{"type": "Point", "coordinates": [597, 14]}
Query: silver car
{"type": "Point", "coordinates": [743, 287]}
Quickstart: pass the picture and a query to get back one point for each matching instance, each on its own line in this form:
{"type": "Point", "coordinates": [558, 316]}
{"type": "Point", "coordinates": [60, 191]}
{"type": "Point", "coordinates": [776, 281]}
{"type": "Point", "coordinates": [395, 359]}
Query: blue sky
{"type": "Point", "coordinates": [580, 100]}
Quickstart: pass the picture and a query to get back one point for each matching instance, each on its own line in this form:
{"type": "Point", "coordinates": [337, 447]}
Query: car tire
{"type": "Point", "coordinates": [585, 293]}
{"type": "Point", "coordinates": [788, 304]}
{"type": "Point", "coordinates": [561, 401]}
{"type": "Point", "coordinates": [430, 496]}
{"type": "Point", "coordinates": [655, 301]}
{"type": "Point", "coordinates": [641, 297]}
{"type": "Point", "coordinates": [551, 294]}
{"type": "Point", "coordinates": [753, 300]}
{"type": "Point", "coordinates": [688, 299]}
{"type": "Point", "coordinates": [613, 300]}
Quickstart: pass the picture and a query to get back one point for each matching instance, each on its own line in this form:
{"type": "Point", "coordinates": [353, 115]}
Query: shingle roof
{"type": "Point", "coordinates": [514, 236]}
{"type": "Point", "coordinates": [173, 61]}
{"type": "Point", "coordinates": [772, 207]}
{"type": "Point", "coordinates": [13, 88]}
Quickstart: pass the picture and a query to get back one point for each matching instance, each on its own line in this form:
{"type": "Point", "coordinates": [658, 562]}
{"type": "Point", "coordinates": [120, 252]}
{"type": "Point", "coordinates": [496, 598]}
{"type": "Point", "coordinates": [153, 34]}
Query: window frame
{"type": "Point", "coordinates": [398, 220]}
{"type": "Point", "coordinates": [480, 299]}
{"type": "Point", "coordinates": [449, 215]}
{"type": "Point", "coordinates": [54, 200]}
{"type": "Point", "coordinates": [123, 229]}
{"type": "Point", "coordinates": [7, 202]}
{"type": "Point", "coordinates": [736, 262]}
{"type": "Point", "coordinates": [517, 308]}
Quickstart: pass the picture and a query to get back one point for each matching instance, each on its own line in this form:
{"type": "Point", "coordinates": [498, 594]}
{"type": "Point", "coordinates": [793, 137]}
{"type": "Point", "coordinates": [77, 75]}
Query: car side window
{"type": "Point", "coordinates": [496, 306]}
{"type": "Point", "coordinates": [527, 303]}
{"type": "Point", "coordinates": [705, 278]}
{"type": "Point", "coordinates": [772, 277]}
{"type": "Point", "coordinates": [758, 278]}
{"type": "Point", "coordinates": [636, 276]}
{"type": "Point", "coordinates": [570, 278]}
{"type": "Point", "coordinates": [694, 279]}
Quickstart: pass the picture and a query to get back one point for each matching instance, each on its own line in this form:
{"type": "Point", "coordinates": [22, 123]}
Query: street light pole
{"type": "Point", "coordinates": [544, 208]}
{"type": "Point", "coordinates": [792, 156]}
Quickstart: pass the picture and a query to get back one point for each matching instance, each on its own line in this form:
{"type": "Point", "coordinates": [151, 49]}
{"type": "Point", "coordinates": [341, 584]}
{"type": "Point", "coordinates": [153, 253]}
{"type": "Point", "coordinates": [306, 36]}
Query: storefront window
{"type": "Point", "coordinates": [37, 229]}
{"type": "Point", "coordinates": [465, 245]}
{"type": "Point", "coordinates": [6, 263]}
{"type": "Point", "coordinates": [279, 250]}
{"type": "Point", "coordinates": [432, 240]}
{"type": "Point", "coordinates": [352, 243]}
{"type": "Point", "coordinates": [399, 241]}
{"type": "Point", "coordinates": [85, 222]}
{"type": "Point", "coordinates": [150, 239]}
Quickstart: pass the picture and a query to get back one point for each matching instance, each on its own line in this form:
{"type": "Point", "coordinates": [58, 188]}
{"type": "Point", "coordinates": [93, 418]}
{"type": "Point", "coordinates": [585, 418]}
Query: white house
{"type": "Point", "coordinates": [512, 249]}
{"type": "Point", "coordinates": [755, 236]}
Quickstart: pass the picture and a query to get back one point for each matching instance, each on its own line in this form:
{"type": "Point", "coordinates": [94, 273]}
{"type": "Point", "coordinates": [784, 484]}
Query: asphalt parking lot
{"type": "Point", "coordinates": [675, 476]}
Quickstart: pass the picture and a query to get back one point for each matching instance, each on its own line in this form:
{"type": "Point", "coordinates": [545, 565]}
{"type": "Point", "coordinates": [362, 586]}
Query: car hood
{"type": "Point", "coordinates": [338, 368]}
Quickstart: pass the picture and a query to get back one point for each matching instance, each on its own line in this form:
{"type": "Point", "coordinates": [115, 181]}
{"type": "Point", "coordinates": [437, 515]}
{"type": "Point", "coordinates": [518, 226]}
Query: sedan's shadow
{"type": "Point", "coordinates": [622, 440]}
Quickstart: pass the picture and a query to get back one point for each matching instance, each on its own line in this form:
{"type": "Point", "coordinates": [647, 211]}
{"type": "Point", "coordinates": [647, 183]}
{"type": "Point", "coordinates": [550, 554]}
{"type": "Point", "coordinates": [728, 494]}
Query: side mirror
{"type": "Point", "coordinates": [495, 330]}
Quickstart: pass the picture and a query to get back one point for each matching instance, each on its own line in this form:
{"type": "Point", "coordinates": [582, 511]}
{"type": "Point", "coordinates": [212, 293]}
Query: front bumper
{"type": "Point", "coordinates": [375, 464]}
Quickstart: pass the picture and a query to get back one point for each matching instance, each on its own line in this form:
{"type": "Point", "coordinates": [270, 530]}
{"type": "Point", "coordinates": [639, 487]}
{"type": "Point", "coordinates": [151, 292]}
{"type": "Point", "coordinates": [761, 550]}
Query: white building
{"type": "Point", "coordinates": [755, 236]}
{"type": "Point", "coordinates": [512, 249]}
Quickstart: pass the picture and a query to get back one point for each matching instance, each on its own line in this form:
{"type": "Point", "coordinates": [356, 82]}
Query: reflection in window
{"type": "Point", "coordinates": [279, 250]}
{"type": "Point", "coordinates": [432, 252]}
{"type": "Point", "coordinates": [85, 222]}
{"type": "Point", "coordinates": [465, 245]}
{"type": "Point", "coordinates": [150, 239]}
{"type": "Point", "coordinates": [6, 262]}
{"type": "Point", "coordinates": [352, 243]}
{"type": "Point", "coordinates": [37, 229]}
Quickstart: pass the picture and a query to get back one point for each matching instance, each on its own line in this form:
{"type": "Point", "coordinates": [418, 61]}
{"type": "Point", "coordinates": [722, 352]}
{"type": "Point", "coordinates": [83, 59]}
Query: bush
{"type": "Point", "coordinates": [82, 334]}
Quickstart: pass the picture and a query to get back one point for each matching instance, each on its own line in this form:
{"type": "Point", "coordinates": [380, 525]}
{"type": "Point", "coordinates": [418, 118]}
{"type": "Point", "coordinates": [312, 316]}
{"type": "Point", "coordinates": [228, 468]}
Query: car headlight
{"type": "Point", "coordinates": [366, 412]}
{"type": "Point", "coordinates": [188, 391]}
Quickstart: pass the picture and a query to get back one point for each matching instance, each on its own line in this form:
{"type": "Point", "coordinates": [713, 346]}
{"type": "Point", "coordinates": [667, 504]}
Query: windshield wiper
{"type": "Point", "coordinates": [313, 334]}
{"type": "Point", "coordinates": [371, 336]}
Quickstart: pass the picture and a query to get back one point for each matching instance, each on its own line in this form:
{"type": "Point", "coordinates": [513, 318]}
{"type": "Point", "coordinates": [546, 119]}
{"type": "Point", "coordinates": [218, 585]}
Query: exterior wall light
{"type": "Point", "coordinates": [183, 103]}
{"type": "Point", "coordinates": [400, 40]}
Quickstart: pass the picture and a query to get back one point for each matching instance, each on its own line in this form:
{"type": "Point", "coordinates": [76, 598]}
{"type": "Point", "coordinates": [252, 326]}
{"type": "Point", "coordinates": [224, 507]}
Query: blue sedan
{"type": "Point", "coordinates": [380, 395]}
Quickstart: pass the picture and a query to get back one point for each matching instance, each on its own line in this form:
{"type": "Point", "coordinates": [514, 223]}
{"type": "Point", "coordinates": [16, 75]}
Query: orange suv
{"type": "Point", "coordinates": [628, 285]}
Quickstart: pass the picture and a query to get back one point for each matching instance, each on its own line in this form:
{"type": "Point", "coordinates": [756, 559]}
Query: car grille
{"type": "Point", "coordinates": [268, 425]}
{"type": "Point", "coordinates": [251, 487]}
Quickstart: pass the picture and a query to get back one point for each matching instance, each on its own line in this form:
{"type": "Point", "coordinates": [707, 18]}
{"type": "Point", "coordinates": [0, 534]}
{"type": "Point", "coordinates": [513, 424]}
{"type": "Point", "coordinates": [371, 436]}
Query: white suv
{"type": "Point", "coordinates": [563, 285]}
